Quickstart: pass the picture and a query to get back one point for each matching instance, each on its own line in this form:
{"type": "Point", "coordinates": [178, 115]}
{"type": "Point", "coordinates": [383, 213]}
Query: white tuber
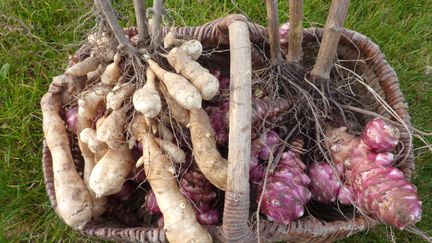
{"type": "Point", "coordinates": [118, 95]}
{"type": "Point", "coordinates": [147, 100]}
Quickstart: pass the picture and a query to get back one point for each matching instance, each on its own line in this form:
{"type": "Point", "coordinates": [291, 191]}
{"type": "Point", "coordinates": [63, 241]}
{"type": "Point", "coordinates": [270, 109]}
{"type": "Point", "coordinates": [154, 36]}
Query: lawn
{"type": "Point", "coordinates": [37, 36]}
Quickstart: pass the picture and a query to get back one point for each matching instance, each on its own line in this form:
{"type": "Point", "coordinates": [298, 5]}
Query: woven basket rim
{"type": "Point", "coordinates": [306, 228]}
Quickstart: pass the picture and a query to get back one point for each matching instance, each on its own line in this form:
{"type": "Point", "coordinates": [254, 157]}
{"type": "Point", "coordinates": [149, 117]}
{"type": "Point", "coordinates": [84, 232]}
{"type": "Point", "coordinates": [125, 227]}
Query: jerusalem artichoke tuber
{"type": "Point", "coordinates": [180, 222]}
{"type": "Point", "coordinates": [178, 87]}
{"type": "Point", "coordinates": [74, 202]}
{"type": "Point", "coordinates": [201, 78]}
{"type": "Point", "coordinates": [147, 100]}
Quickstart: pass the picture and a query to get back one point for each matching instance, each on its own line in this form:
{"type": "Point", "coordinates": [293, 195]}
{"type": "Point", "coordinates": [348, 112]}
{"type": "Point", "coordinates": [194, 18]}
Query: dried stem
{"type": "Point", "coordinates": [236, 211]}
{"type": "Point", "coordinates": [330, 40]}
{"type": "Point", "coordinates": [156, 24]}
{"type": "Point", "coordinates": [295, 51]}
{"type": "Point", "coordinates": [142, 25]}
{"type": "Point", "coordinates": [108, 11]}
{"type": "Point", "coordinates": [273, 29]}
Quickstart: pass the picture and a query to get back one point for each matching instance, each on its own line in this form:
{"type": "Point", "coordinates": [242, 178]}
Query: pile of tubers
{"type": "Point", "coordinates": [164, 135]}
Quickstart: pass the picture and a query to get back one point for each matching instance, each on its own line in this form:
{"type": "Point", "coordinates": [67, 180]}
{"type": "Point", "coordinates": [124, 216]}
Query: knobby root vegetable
{"type": "Point", "coordinates": [112, 72]}
{"type": "Point", "coordinates": [346, 195]}
{"type": "Point", "coordinates": [325, 182]}
{"type": "Point", "coordinates": [118, 95]}
{"type": "Point", "coordinates": [171, 40]}
{"type": "Point", "coordinates": [379, 136]}
{"type": "Point", "coordinates": [94, 75]}
{"type": "Point", "coordinates": [208, 217]}
{"type": "Point", "coordinates": [71, 85]}
{"type": "Point", "coordinates": [256, 169]}
{"type": "Point", "coordinates": [203, 195]}
{"type": "Point", "coordinates": [111, 171]}
{"type": "Point", "coordinates": [89, 104]}
{"type": "Point", "coordinates": [85, 66]}
{"type": "Point", "coordinates": [287, 190]}
{"type": "Point", "coordinates": [174, 153]}
{"type": "Point", "coordinates": [83, 52]}
{"type": "Point", "coordinates": [147, 100]}
{"type": "Point", "coordinates": [383, 190]}
{"type": "Point", "coordinates": [376, 186]}
{"type": "Point", "coordinates": [207, 157]}
{"type": "Point", "coordinates": [112, 129]}
{"type": "Point", "coordinates": [199, 191]}
{"type": "Point", "coordinates": [268, 109]}
{"type": "Point", "coordinates": [201, 78]}
{"type": "Point", "coordinates": [179, 113]}
{"type": "Point", "coordinates": [193, 48]}
{"type": "Point", "coordinates": [218, 117]}
{"type": "Point", "coordinates": [74, 202]}
{"type": "Point", "coordinates": [180, 222]}
{"type": "Point", "coordinates": [178, 87]}
{"type": "Point", "coordinates": [150, 204]}
{"type": "Point", "coordinates": [264, 109]}
{"type": "Point", "coordinates": [71, 118]}
{"type": "Point", "coordinates": [224, 81]}
{"type": "Point", "coordinates": [261, 148]}
{"type": "Point", "coordinates": [165, 133]}
{"type": "Point", "coordinates": [267, 145]}
{"type": "Point", "coordinates": [88, 137]}
{"type": "Point", "coordinates": [98, 148]}
{"type": "Point", "coordinates": [284, 33]}
{"type": "Point", "coordinates": [341, 144]}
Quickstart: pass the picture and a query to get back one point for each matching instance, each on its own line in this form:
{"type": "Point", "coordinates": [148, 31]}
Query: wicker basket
{"type": "Point", "coordinates": [370, 65]}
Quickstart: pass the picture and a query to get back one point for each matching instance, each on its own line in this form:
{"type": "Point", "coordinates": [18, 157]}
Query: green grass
{"type": "Point", "coordinates": [36, 38]}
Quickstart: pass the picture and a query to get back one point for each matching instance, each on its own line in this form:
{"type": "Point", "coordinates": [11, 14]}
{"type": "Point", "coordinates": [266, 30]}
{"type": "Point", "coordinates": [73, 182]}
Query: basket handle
{"type": "Point", "coordinates": [236, 211]}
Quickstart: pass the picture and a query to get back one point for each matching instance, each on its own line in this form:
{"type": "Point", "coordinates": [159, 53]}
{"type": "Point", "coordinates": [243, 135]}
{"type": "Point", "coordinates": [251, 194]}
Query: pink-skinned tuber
{"type": "Point", "coordinates": [284, 33]}
{"type": "Point", "coordinates": [208, 217]}
{"type": "Point", "coordinates": [325, 182]}
{"type": "Point", "coordinates": [371, 182]}
{"type": "Point", "coordinates": [203, 196]}
{"type": "Point", "coordinates": [379, 136]}
{"type": "Point", "coordinates": [199, 191]}
{"type": "Point", "coordinates": [267, 145]}
{"type": "Point", "coordinates": [71, 118]}
{"type": "Point", "coordinates": [262, 109]}
{"type": "Point", "coordinates": [217, 117]}
{"type": "Point", "coordinates": [261, 148]}
{"type": "Point", "coordinates": [151, 205]}
{"type": "Point", "coordinates": [287, 190]}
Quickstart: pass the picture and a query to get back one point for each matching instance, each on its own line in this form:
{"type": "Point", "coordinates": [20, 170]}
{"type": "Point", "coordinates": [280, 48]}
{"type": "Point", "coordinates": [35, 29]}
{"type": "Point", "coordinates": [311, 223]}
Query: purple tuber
{"type": "Point", "coordinates": [208, 217]}
{"type": "Point", "coordinates": [284, 33]}
{"type": "Point", "coordinates": [379, 136]}
{"type": "Point", "coordinates": [286, 193]}
{"type": "Point", "coordinates": [151, 205]}
{"type": "Point", "coordinates": [71, 118]}
{"type": "Point", "coordinates": [325, 182]}
{"type": "Point", "coordinates": [373, 184]}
